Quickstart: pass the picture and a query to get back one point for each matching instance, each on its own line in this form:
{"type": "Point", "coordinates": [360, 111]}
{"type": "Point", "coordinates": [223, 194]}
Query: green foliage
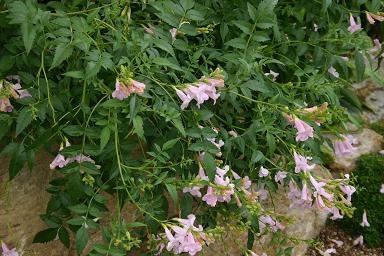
{"type": "Point", "coordinates": [69, 55]}
{"type": "Point", "coordinates": [378, 127]}
{"type": "Point", "coordinates": [369, 177]}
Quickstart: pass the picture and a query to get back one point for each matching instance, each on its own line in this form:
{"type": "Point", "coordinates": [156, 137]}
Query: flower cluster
{"type": "Point", "coordinates": [124, 89]}
{"type": "Point", "coordinates": [9, 89]}
{"type": "Point", "coordinates": [328, 195]}
{"type": "Point", "coordinates": [343, 146]}
{"type": "Point", "coordinates": [186, 238]}
{"type": "Point", "coordinates": [323, 194]}
{"type": "Point", "coordinates": [195, 190]}
{"type": "Point", "coordinates": [202, 90]}
{"type": "Point", "coordinates": [372, 18]}
{"type": "Point", "coordinates": [60, 161]}
{"type": "Point", "coordinates": [268, 221]}
{"type": "Point", "coordinates": [299, 199]}
{"type": "Point", "coordinates": [302, 163]}
{"type": "Point", "coordinates": [222, 190]}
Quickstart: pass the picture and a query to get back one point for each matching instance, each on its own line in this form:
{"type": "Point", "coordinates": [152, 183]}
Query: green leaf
{"type": "Point", "coordinates": [164, 45]}
{"type": "Point", "coordinates": [113, 103]}
{"type": "Point", "coordinates": [81, 239]}
{"type": "Point", "coordinates": [5, 124]}
{"type": "Point", "coordinates": [266, 7]}
{"type": "Point", "coordinates": [6, 63]}
{"type": "Point", "coordinates": [204, 114]}
{"type": "Point", "coordinates": [17, 161]}
{"type": "Point", "coordinates": [167, 63]}
{"type": "Point", "coordinates": [172, 192]}
{"type": "Point", "coordinates": [89, 168]}
{"type": "Point", "coordinates": [62, 52]}
{"type": "Point", "coordinates": [64, 237]}
{"type": "Point", "coordinates": [203, 146]}
{"type": "Point", "coordinates": [243, 25]}
{"type": "Point", "coordinates": [271, 143]}
{"type": "Point", "coordinates": [63, 22]}
{"type": "Point", "coordinates": [73, 130]}
{"type": "Point", "coordinates": [209, 165]}
{"type": "Point", "coordinates": [252, 11]}
{"type": "Point", "coordinates": [195, 15]}
{"type": "Point", "coordinates": [105, 135]}
{"type": "Point", "coordinates": [169, 144]}
{"type": "Point", "coordinates": [239, 43]}
{"type": "Point", "coordinates": [260, 36]}
{"type": "Point", "coordinates": [18, 12]}
{"type": "Point", "coordinates": [136, 224]}
{"type": "Point", "coordinates": [360, 66]}
{"type": "Point", "coordinates": [101, 248]}
{"type": "Point", "coordinates": [223, 31]}
{"type": "Point", "coordinates": [194, 132]}
{"type": "Point", "coordinates": [23, 120]}
{"type": "Point", "coordinates": [179, 125]}
{"type": "Point", "coordinates": [208, 133]}
{"type": "Point", "coordinates": [9, 149]}
{"type": "Point", "coordinates": [257, 156]}
{"type": "Point", "coordinates": [45, 236]}
{"type": "Point", "coordinates": [187, 4]}
{"type": "Point", "coordinates": [138, 126]}
{"type": "Point", "coordinates": [133, 106]}
{"type": "Point", "coordinates": [326, 4]}
{"type": "Point", "coordinates": [250, 240]}
{"type": "Point", "coordinates": [77, 221]}
{"type": "Point", "coordinates": [74, 74]}
{"type": "Point", "coordinates": [78, 208]}
{"type": "Point", "coordinates": [28, 32]}
{"type": "Point", "coordinates": [186, 205]}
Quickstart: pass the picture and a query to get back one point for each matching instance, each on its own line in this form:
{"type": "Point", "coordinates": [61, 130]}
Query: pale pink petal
{"type": "Point", "coordinates": [369, 18]}
{"type": "Point", "coordinates": [365, 222]}
{"type": "Point", "coordinates": [359, 240]}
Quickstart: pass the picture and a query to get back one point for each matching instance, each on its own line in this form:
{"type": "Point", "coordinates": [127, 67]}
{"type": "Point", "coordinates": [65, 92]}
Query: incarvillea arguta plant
{"type": "Point", "coordinates": [187, 112]}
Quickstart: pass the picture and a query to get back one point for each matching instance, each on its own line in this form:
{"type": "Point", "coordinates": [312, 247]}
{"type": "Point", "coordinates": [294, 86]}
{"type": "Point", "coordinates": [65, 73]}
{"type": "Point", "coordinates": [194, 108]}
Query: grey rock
{"type": "Point", "coordinates": [369, 142]}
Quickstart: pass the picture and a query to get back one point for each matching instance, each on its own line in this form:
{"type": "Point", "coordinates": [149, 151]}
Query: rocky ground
{"type": "Point", "coordinates": [333, 232]}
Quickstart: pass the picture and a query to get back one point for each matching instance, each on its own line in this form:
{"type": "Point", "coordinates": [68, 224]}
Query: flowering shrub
{"type": "Point", "coordinates": [202, 105]}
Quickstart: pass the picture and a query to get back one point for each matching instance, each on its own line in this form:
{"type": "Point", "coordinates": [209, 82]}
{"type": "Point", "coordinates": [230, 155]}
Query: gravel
{"type": "Point", "coordinates": [332, 231]}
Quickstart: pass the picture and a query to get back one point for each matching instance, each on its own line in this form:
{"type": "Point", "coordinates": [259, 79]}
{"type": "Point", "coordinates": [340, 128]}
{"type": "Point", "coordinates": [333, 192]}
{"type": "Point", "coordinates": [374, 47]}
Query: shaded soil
{"type": "Point", "coordinates": [332, 231]}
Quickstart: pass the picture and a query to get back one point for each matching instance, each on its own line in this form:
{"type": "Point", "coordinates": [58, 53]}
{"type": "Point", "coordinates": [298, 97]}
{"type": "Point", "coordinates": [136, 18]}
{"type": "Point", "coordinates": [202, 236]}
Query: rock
{"type": "Point", "coordinates": [375, 101]}
{"type": "Point", "coordinates": [364, 88]}
{"type": "Point", "coordinates": [369, 142]}
{"type": "Point", "coordinates": [304, 224]}
{"type": "Point", "coordinates": [372, 96]}
{"type": "Point", "coordinates": [22, 200]}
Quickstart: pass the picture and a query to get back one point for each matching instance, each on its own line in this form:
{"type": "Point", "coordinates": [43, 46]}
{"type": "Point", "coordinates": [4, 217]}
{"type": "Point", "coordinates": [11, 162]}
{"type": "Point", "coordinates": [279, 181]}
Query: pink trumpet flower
{"type": "Point", "coordinates": [353, 26]}
{"type": "Point", "coordinates": [365, 222]}
{"type": "Point", "coordinates": [304, 131]}
{"type": "Point", "coordinates": [8, 252]}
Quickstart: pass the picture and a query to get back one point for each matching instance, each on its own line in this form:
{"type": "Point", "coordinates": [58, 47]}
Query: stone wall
{"type": "Point", "coordinates": [22, 200]}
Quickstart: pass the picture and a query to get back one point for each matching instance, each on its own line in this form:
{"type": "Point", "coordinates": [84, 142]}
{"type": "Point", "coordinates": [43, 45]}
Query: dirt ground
{"type": "Point", "coordinates": [332, 231]}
